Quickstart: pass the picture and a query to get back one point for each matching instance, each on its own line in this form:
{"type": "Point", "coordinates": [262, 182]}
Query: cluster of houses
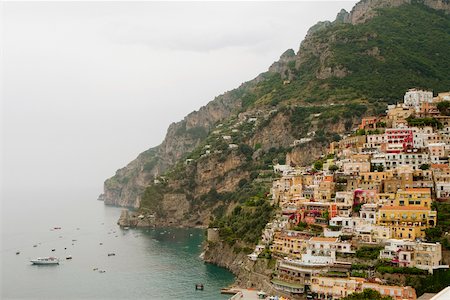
{"type": "Point", "coordinates": [375, 188]}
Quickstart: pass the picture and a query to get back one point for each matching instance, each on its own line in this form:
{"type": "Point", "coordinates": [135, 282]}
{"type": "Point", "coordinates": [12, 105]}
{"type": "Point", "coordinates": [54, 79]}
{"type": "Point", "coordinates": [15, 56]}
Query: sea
{"type": "Point", "coordinates": [148, 263]}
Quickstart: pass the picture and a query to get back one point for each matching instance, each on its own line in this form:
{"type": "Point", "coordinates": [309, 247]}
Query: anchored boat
{"type": "Point", "coordinates": [45, 261]}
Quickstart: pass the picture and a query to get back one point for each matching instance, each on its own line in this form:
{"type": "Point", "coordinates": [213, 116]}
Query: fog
{"type": "Point", "coordinates": [87, 86]}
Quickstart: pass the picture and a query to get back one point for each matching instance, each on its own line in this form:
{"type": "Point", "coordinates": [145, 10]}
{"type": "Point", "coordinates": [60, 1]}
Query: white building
{"type": "Point", "coordinates": [412, 159]}
{"type": "Point", "coordinates": [414, 98]}
{"type": "Point", "coordinates": [368, 212]}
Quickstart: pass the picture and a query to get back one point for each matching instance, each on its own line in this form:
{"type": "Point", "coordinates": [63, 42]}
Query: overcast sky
{"type": "Point", "coordinates": [87, 86]}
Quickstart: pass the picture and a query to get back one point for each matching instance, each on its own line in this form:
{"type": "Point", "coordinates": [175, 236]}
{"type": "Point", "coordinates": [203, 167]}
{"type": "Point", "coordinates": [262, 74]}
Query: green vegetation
{"type": "Point", "coordinates": [437, 234]}
{"type": "Point", "coordinates": [401, 48]}
{"type": "Point", "coordinates": [379, 60]}
{"type": "Point", "coordinates": [431, 283]}
{"type": "Point", "coordinates": [367, 294]}
{"type": "Point", "coordinates": [444, 108]}
{"type": "Point", "coordinates": [400, 270]}
{"type": "Point", "coordinates": [333, 168]}
{"type": "Point", "coordinates": [245, 223]}
{"type": "Point", "coordinates": [318, 165]}
{"type": "Point", "coordinates": [421, 122]}
{"type": "Point", "coordinates": [366, 252]}
{"type": "Point", "coordinates": [152, 198]}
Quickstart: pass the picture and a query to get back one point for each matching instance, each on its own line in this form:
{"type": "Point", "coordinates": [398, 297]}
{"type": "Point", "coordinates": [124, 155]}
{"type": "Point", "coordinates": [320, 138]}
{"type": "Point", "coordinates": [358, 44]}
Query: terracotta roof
{"type": "Point", "coordinates": [407, 207]}
{"type": "Point", "coordinates": [418, 190]}
{"type": "Point", "coordinates": [439, 166]}
{"type": "Point", "coordinates": [323, 239]}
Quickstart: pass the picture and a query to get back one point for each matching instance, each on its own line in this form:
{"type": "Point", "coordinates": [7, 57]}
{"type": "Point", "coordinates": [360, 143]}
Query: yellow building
{"type": "Point", "coordinates": [414, 197]}
{"type": "Point", "coordinates": [289, 243]}
{"type": "Point", "coordinates": [386, 198]}
{"type": "Point", "coordinates": [406, 222]}
{"type": "Point", "coordinates": [335, 287]}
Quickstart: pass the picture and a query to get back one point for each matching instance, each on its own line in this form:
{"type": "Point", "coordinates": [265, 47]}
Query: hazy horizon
{"type": "Point", "coordinates": [87, 86]}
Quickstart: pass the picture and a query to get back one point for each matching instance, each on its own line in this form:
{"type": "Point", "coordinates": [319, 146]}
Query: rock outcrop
{"type": "Point", "coordinates": [320, 79]}
{"type": "Point", "coordinates": [367, 9]}
{"type": "Point", "coordinates": [126, 186]}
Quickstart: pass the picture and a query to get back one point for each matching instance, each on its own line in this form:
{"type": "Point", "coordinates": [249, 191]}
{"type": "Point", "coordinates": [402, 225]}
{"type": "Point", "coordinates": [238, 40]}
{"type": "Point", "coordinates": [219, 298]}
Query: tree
{"type": "Point", "coordinates": [333, 168]}
{"type": "Point", "coordinates": [424, 167]}
{"type": "Point", "coordinates": [444, 108]}
{"type": "Point", "coordinates": [367, 294]}
{"type": "Point", "coordinates": [318, 165]}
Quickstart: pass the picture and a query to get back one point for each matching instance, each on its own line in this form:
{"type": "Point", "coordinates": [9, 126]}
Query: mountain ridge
{"type": "Point", "coordinates": [316, 93]}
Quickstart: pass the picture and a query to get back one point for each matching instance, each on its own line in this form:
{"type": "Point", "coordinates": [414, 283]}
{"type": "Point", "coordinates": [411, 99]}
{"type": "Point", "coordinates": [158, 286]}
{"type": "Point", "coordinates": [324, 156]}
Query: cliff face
{"type": "Point", "coordinates": [223, 154]}
{"type": "Point", "coordinates": [126, 186]}
{"type": "Point", "coordinates": [367, 9]}
{"type": "Point", "coordinates": [249, 274]}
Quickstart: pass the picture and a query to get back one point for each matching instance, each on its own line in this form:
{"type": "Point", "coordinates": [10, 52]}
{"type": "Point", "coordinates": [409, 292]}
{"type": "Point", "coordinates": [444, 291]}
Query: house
{"type": "Point", "coordinates": [396, 292]}
{"type": "Point", "coordinates": [442, 183]}
{"type": "Point", "coordinates": [406, 222]}
{"type": "Point", "coordinates": [320, 251]}
{"type": "Point", "coordinates": [414, 98]}
{"type": "Point", "coordinates": [414, 197]}
{"type": "Point", "coordinates": [399, 139]}
{"type": "Point", "coordinates": [335, 287]}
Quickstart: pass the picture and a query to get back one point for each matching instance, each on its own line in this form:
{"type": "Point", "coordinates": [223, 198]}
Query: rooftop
{"type": "Point", "coordinates": [407, 207]}
{"type": "Point", "coordinates": [323, 239]}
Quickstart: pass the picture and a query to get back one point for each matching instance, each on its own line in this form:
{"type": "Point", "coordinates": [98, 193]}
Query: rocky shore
{"type": "Point", "coordinates": [249, 274]}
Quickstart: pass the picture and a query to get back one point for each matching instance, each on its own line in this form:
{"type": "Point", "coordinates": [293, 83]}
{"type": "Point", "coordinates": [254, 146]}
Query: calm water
{"type": "Point", "coordinates": [149, 264]}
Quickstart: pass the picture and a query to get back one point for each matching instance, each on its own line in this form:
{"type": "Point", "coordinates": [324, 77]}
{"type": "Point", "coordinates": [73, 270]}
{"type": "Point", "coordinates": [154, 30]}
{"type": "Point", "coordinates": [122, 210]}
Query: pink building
{"type": "Point", "coordinates": [403, 137]}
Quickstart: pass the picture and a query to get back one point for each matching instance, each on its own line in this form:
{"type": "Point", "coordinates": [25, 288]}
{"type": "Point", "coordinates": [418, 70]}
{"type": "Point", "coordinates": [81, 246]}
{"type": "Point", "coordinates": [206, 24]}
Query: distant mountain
{"type": "Point", "coordinates": [222, 154]}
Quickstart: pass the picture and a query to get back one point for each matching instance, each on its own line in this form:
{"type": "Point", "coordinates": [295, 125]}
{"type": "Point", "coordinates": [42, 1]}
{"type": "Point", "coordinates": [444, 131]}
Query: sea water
{"type": "Point", "coordinates": [148, 263]}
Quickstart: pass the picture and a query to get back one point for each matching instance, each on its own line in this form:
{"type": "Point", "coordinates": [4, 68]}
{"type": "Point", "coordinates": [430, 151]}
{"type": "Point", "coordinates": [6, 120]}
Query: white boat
{"type": "Point", "coordinates": [45, 261]}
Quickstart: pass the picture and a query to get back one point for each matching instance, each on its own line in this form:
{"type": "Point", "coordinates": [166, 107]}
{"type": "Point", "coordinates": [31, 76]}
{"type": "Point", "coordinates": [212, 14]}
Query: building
{"type": "Point", "coordinates": [406, 222]}
{"type": "Point", "coordinates": [414, 197]}
{"type": "Point", "coordinates": [399, 139]}
{"type": "Point", "coordinates": [414, 159]}
{"type": "Point", "coordinates": [396, 292]}
{"type": "Point", "coordinates": [414, 98]}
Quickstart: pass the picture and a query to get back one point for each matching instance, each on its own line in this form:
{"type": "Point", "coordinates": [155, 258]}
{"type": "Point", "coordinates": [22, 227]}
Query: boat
{"type": "Point", "coordinates": [69, 257]}
{"type": "Point", "coordinates": [18, 252]}
{"type": "Point", "coordinates": [199, 286]}
{"type": "Point", "coordinates": [45, 261]}
{"type": "Point", "coordinates": [111, 254]}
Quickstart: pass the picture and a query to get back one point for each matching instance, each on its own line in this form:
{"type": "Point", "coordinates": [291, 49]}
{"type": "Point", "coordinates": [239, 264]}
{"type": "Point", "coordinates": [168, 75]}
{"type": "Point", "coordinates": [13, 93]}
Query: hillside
{"type": "Point", "coordinates": [223, 154]}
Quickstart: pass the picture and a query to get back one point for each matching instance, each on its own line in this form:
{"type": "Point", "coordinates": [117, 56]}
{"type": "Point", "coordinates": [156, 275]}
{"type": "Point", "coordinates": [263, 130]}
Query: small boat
{"type": "Point", "coordinates": [199, 286]}
{"type": "Point", "coordinates": [126, 228]}
{"type": "Point", "coordinates": [111, 254]}
{"type": "Point", "coordinates": [53, 250]}
{"type": "Point", "coordinates": [18, 252]}
{"type": "Point", "coordinates": [101, 271]}
{"type": "Point", "coordinates": [69, 257]}
{"type": "Point", "coordinates": [94, 269]}
{"type": "Point", "coordinates": [101, 244]}
{"type": "Point", "coordinates": [34, 246]}
{"type": "Point", "coordinates": [45, 261]}
{"type": "Point", "coordinates": [56, 228]}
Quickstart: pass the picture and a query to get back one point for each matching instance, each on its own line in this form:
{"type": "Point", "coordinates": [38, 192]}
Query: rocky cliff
{"type": "Point", "coordinates": [367, 9]}
{"type": "Point", "coordinates": [222, 155]}
{"type": "Point", "coordinates": [126, 186]}
{"type": "Point", "coordinates": [249, 274]}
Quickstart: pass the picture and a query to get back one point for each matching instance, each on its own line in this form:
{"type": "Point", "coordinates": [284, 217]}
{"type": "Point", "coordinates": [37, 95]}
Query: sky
{"type": "Point", "coordinates": [86, 86]}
